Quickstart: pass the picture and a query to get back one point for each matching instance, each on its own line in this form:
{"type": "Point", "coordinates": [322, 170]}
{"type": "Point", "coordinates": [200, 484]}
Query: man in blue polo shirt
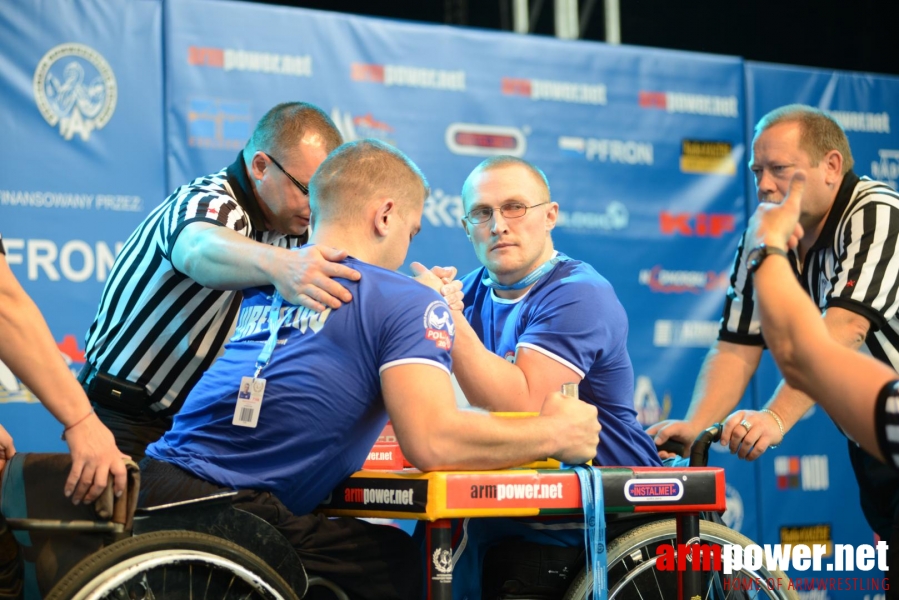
{"type": "Point", "coordinates": [323, 384]}
{"type": "Point", "coordinates": [533, 320]}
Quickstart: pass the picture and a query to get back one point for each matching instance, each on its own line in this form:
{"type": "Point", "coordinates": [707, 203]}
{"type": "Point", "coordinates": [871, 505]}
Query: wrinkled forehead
{"type": "Point", "coordinates": [783, 136]}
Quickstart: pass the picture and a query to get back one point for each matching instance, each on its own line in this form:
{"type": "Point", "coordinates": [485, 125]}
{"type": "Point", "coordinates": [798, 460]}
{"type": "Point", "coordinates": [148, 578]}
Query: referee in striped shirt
{"type": "Point", "coordinates": [848, 262]}
{"type": "Point", "coordinates": [860, 393]}
{"type": "Point", "coordinates": [173, 293]}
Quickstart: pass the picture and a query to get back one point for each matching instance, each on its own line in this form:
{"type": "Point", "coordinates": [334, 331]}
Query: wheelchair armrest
{"type": "Point", "coordinates": [54, 534]}
{"type": "Point", "coordinates": [125, 505]}
{"type": "Point", "coordinates": [32, 490]}
{"type": "Point", "coordinates": [219, 499]}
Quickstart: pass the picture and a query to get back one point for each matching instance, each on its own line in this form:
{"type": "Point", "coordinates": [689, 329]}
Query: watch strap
{"type": "Point", "coordinates": [758, 254]}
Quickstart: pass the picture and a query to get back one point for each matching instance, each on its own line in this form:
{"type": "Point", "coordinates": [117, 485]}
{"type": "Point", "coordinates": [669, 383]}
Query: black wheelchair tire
{"type": "Point", "coordinates": [106, 573]}
{"type": "Point", "coordinates": [646, 536]}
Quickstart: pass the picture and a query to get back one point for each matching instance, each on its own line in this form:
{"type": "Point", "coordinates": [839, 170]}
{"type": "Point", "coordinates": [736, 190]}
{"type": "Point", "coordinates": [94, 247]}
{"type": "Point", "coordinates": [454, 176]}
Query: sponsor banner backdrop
{"type": "Point", "coordinates": [810, 474]}
{"type": "Point", "coordinates": [83, 163]}
{"type": "Point", "coordinates": [642, 162]}
{"type": "Point", "coordinates": [644, 149]}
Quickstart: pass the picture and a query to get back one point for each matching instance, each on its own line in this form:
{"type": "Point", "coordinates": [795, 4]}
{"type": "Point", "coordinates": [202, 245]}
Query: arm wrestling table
{"type": "Point", "coordinates": [439, 496]}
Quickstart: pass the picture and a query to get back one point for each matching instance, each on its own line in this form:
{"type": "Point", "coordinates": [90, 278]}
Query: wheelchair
{"type": "Point", "coordinates": [196, 549]}
{"type": "Point", "coordinates": [208, 549]}
{"type": "Point", "coordinates": [632, 557]}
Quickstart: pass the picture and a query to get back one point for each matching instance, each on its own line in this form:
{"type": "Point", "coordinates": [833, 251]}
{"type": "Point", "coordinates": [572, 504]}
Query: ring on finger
{"type": "Point", "coordinates": [746, 424]}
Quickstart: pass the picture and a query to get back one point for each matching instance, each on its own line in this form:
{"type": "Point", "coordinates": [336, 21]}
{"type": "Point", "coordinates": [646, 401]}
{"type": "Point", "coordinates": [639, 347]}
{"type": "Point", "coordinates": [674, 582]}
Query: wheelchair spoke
{"type": "Point", "coordinates": [173, 564]}
{"type": "Point", "coordinates": [634, 553]}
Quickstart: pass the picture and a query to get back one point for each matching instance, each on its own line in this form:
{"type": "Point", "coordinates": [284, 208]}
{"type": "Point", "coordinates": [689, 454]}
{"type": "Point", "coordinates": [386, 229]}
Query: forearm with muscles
{"type": "Point", "coordinates": [722, 380]}
{"type": "Point", "coordinates": [27, 347]}
{"type": "Point", "coordinates": [220, 258]}
{"type": "Point", "coordinates": [843, 381]}
{"type": "Point", "coordinates": [488, 380]}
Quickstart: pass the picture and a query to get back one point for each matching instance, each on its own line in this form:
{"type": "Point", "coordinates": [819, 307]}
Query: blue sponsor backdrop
{"type": "Point", "coordinates": [83, 163]}
{"type": "Point", "coordinates": [645, 151]}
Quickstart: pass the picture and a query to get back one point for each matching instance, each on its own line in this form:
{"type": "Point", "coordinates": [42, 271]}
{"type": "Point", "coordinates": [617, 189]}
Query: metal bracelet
{"type": "Point", "coordinates": [780, 424]}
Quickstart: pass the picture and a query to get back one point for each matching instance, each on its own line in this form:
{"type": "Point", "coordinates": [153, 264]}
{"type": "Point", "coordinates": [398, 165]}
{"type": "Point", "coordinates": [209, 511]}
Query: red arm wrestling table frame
{"type": "Point", "coordinates": [437, 497]}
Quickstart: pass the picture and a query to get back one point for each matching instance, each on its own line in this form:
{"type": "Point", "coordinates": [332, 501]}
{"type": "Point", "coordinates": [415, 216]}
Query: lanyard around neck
{"type": "Point", "coordinates": [528, 279]}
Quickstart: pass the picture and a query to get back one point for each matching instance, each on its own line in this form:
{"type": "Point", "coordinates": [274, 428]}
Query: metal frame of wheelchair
{"type": "Point", "coordinates": [630, 554]}
{"type": "Point", "coordinates": [126, 551]}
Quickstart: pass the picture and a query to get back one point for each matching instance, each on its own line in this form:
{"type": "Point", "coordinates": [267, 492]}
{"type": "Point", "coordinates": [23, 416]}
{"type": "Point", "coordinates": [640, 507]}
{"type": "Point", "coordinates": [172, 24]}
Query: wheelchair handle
{"type": "Point", "coordinates": [672, 446]}
{"type": "Point", "coordinates": [699, 454]}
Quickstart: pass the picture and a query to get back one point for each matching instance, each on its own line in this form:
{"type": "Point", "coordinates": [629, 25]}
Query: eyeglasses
{"type": "Point", "coordinates": [511, 210]}
{"type": "Point", "coordinates": [302, 187]}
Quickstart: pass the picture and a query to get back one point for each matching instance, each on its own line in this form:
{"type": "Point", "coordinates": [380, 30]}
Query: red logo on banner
{"type": "Point", "coordinates": [363, 72]}
{"type": "Point", "coordinates": [787, 472]}
{"type": "Point", "coordinates": [206, 57]}
{"type": "Point", "coordinates": [485, 140]}
{"type": "Point", "coordinates": [696, 225]}
{"type": "Point", "coordinates": [669, 281]}
{"type": "Point", "coordinates": [516, 87]}
{"type": "Point", "coordinates": [370, 122]}
{"type": "Point", "coordinates": [653, 100]}
{"type": "Point", "coordinates": [69, 347]}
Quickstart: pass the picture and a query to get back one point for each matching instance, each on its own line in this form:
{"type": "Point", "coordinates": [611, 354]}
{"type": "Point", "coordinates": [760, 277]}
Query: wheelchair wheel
{"type": "Point", "coordinates": [172, 564]}
{"type": "Point", "coordinates": [633, 574]}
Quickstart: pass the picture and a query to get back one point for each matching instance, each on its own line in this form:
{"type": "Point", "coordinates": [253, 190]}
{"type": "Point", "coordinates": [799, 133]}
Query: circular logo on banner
{"type": "Point", "coordinates": [75, 88]}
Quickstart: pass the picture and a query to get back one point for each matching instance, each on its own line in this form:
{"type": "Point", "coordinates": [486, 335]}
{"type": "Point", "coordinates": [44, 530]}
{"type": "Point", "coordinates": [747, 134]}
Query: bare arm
{"type": "Point", "coordinates": [27, 347]}
{"type": "Point", "coordinates": [491, 382]}
{"type": "Point", "coordinates": [722, 380]}
{"type": "Point", "coordinates": [844, 382]}
{"type": "Point", "coordinates": [849, 330]}
{"type": "Point", "coordinates": [7, 449]}
{"type": "Point", "coordinates": [435, 435]}
{"type": "Point", "coordinates": [220, 258]}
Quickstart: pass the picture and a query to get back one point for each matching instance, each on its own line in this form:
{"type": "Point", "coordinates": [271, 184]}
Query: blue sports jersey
{"type": "Point", "coordinates": [322, 408]}
{"type": "Point", "coordinates": [573, 316]}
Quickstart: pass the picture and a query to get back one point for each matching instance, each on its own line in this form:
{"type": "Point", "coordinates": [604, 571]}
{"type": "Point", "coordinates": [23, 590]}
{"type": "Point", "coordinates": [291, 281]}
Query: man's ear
{"type": "Point", "coordinates": [833, 167]}
{"type": "Point", "coordinates": [465, 227]}
{"type": "Point", "coordinates": [552, 216]}
{"type": "Point", "coordinates": [258, 165]}
{"type": "Point", "coordinates": [384, 215]}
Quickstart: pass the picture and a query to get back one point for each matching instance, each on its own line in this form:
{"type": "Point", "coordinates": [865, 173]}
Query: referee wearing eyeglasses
{"type": "Point", "coordinates": [172, 297]}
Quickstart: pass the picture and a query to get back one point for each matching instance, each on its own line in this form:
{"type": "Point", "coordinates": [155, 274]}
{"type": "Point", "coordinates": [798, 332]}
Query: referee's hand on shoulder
{"type": "Point", "coordinates": [307, 278]}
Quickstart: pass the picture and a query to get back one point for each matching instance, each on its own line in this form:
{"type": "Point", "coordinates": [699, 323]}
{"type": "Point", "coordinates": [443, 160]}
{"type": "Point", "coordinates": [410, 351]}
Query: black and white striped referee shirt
{"type": "Point", "coordinates": [854, 265]}
{"type": "Point", "coordinates": [155, 326]}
